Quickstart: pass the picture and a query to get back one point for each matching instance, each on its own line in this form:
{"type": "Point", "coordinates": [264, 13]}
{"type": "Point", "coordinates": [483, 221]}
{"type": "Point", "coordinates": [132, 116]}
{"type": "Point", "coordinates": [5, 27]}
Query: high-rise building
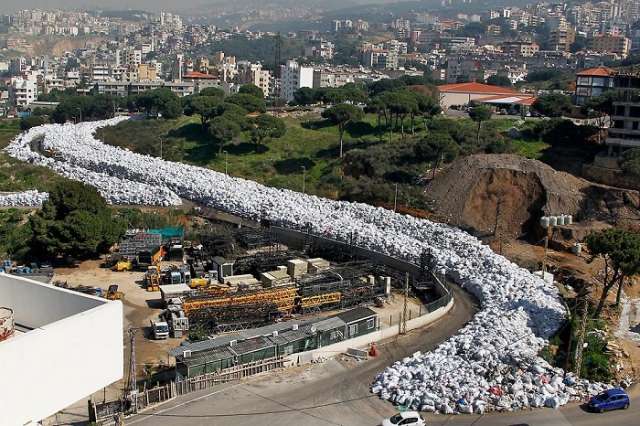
{"type": "Point", "coordinates": [294, 76]}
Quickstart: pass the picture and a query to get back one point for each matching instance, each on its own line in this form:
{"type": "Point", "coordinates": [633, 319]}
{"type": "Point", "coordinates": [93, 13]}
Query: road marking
{"type": "Point", "coordinates": [182, 404]}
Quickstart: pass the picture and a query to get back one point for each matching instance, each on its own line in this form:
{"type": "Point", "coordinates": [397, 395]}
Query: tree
{"type": "Point", "coordinates": [341, 115]}
{"type": "Point", "coordinates": [251, 89]}
{"type": "Point", "coordinates": [75, 221]}
{"type": "Point", "coordinates": [32, 121]}
{"type": "Point", "coordinates": [212, 91]}
{"type": "Point", "coordinates": [265, 127]}
{"type": "Point", "coordinates": [479, 114]}
{"type": "Point", "coordinates": [499, 80]}
{"type": "Point", "coordinates": [248, 102]}
{"type": "Point", "coordinates": [631, 162]}
{"type": "Point", "coordinates": [437, 147]}
{"type": "Point", "coordinates": [620, 251]}
{"type": "Point", "coordinates": [205, 106]}
{"type": "Point", "coordinates": [160, 101]}
{"type": "Point", "coordinates": [223, 129]}
{"type": "Point", "coordinates": [401, 103]}
{"type": "Point", "coordinates": [305, 96]}
{"type": "Point", "coordinates": [552, 105]}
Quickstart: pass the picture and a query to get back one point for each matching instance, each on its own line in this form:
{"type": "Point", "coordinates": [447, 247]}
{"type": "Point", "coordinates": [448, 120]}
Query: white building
{"type": "Point", "coordinates": [65, 346]}
{"type": "Point", "coordinates": [294, 76]}
{"type": "Point", "coordinates": [23, 90]}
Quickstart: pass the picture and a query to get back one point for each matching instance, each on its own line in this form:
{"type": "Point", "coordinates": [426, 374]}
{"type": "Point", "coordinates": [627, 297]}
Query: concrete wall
{"type": "Point", "coordinates": [35, 304]}
{"type": "Point", "coordinates": [51, 367]}
{"type": "Point", "coordinates": [367, 339]}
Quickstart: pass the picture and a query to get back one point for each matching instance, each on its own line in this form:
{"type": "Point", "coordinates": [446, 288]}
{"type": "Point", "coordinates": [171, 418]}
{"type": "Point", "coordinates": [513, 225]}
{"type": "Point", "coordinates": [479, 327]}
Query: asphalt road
{"type": "Point", "coordinates": [337, 393]}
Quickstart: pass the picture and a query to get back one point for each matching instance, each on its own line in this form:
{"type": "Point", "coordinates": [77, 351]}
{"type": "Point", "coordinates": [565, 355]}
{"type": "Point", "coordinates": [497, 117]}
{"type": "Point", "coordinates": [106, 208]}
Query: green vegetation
{"type": "Point", "coordinates": [19, 176]}
{"type": "Point", "coordinates": [75, 221]}
{"type": "Point", "coordinates": [620, 250]}
{"type": "Point", "coordinates": [631, 162]}
{"type": "Point", "coordinates": [553, 105]}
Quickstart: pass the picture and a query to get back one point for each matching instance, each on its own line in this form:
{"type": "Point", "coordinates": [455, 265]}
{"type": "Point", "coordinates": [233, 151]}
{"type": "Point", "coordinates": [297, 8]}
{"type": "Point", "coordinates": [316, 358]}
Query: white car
{"type": "Point", "coordinates": [406, 418]}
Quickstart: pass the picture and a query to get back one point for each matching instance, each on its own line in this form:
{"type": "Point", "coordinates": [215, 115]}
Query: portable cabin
{"type": "Point", "coordinates": [297, 339]}
{"type": "Point", "coordinates": [205, 362]}
{"type": "Point", "coordinates": [329, 331]}
{"type": "Point", "coordinates": [255, 349]}
{"type": "Point", "coordinates": [359, 321]}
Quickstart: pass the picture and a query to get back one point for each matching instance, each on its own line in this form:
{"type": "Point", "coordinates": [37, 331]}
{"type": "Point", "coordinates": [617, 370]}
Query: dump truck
{"type": "Point", "coordinates": [160, 329]}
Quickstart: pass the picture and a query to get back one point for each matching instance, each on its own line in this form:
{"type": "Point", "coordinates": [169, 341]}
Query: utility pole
{"type": "Point", "coordinates": [161, 142]}
{"type": "Point", "coordinates": [395, 199]}
{"type": "Point", "coordinates": [132, 385]}
{"type": "Point", "coordinates": [580, 344]}
{"type": "Point", "coordinates": [304, 176]}
{"type": "Point", "coordinates": [226, 162]}
{"type": "Point", "coordinates": [403, 329]}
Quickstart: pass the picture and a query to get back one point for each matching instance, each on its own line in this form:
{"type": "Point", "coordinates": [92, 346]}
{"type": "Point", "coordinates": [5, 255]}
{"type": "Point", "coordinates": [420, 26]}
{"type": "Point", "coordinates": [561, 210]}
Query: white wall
{"type": "Point", "coordinates": [35, 304]}
{"type": "Point", "coordinates": [47, 369]}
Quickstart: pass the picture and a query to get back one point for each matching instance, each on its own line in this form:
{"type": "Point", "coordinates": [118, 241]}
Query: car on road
{"type": "Point", "coordinates": [406, 418]}
{"type": "Point", "coordinates": [611, 399]}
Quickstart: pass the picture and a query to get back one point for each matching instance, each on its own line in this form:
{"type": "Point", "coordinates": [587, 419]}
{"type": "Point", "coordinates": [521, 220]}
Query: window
{"type": "Point", "coordinates": [371, 323]}
{"type": "Point", "coordinates": [353, 329]}
{"type": "Point", "coordinates": [409, 421]}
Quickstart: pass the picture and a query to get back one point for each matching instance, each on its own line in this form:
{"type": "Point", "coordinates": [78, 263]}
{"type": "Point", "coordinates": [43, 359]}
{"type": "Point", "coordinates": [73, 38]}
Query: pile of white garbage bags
{"type": "Point", "coordinates": [491, 363]}
{"type": "Point", "coordinates": [23, 199]}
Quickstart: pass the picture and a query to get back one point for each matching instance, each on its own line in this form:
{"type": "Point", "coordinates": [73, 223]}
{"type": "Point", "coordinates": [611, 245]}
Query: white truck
{"type": "Point", "coordinates": [160, 329]}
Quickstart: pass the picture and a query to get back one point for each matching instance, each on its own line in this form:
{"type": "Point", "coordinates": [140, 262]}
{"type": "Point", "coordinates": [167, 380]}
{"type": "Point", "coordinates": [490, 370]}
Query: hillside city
{"type": "Point", "coordinates": [357, 213]}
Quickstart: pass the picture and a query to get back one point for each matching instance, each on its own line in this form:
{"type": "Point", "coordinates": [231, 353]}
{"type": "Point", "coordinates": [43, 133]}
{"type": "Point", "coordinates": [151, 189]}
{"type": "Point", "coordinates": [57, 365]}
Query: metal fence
{"type": "Point", "coordinates": [148, 398]}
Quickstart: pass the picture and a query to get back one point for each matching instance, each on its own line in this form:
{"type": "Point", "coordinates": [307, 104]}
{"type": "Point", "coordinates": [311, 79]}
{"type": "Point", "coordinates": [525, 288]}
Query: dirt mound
{"type": "Point", "coordinates": [505, 195]}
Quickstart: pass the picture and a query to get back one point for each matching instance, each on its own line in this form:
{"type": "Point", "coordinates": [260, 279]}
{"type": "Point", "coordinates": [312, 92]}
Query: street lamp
{"type": "Point", "coordinates": [304, 176]}
{"type": "Point", "coordinates": [226, 162]}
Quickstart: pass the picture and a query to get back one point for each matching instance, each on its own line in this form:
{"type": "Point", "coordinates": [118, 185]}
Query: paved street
{"type": "Point", "coordinates": [337, 393]}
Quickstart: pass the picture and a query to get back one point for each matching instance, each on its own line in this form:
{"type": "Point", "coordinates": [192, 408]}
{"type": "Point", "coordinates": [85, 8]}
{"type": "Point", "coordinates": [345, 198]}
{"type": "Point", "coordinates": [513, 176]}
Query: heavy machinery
{"type": "Point", "coordinates": [113, 293]}
{"type": "Point", "coordinates": [199, 282]}
{"type": "Point", "coordinates": [123, 265]}
{"type": "Point", "coordinates": [152, 278]}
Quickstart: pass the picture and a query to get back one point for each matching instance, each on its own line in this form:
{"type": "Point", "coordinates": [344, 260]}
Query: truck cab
{"type": "Point", "coordinates": [160, 329]}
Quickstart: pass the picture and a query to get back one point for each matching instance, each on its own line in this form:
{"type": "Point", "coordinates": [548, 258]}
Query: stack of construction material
{"type": "Point", "coordinates": [317, 264]}
{"type": "Point", "coordinates": [491, 363]}
{"type": "Point", "coordinates": [297, 267]}
{"type": "Point", "coordinates": [23, 199]}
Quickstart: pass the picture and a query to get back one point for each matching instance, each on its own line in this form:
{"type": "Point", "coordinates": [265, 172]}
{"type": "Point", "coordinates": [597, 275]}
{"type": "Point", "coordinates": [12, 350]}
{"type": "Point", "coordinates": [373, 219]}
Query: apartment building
{"type": "Point", "coordinates": [23, 90]}
{"type": "Point", "coordinates": [606, 43]}
{"type": "Point", "coordinates": [520, 48]}
{"type": "Point", "coordinates": [250, 73]}
{"type": "Point", "coordinates": [625, 129]}
{"type": "Point", "coordinates": [294, 76]}
{"type": "Point", "coordinates": [593, 82]}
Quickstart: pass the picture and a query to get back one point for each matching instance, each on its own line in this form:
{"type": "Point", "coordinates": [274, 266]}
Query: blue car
{"type": "Point", "coordinates": [611, 399]}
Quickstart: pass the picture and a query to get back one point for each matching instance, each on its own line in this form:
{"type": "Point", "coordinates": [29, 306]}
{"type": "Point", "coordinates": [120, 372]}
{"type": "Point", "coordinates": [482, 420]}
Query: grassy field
{"type": "Point", "coordinates": [19, 176]}
{"type": "Point", "coordinates": [309, 143]}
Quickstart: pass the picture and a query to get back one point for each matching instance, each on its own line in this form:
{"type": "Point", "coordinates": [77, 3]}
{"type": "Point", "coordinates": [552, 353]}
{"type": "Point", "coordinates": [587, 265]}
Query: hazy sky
{"type": "Point", "coordinates": [151, 5]}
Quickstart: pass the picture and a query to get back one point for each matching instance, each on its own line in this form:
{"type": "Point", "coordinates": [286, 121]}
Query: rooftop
{"type": "Point", "coordinates": [597, 72]}
{"type": "Point", "coordinates": [472, 87]}
{"type": "Point", "coordinates": [356, 314]}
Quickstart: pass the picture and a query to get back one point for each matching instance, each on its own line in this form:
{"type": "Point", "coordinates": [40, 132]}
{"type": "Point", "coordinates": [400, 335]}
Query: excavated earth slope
{"type": "Point", "coordinates": [505, 194]}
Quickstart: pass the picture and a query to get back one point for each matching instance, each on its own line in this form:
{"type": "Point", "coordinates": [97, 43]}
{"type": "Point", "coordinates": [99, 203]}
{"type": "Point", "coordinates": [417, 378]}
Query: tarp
{"type": "Point", "coordinates": [168, 232]}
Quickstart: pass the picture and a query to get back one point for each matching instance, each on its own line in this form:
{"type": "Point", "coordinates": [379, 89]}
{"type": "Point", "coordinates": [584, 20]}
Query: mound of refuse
{"type": "Point", "coordinates": [507, 194]}
{"type": "Point", "coordinates": [23, 199]}
{"type": "Point", "coordinates": [491, 363]}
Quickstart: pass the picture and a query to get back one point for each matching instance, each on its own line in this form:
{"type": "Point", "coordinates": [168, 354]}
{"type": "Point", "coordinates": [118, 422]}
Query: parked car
{"type": "Point", "coordinates": [406, 418]}
{"type": "Point", "coordinates": [611, 399]}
